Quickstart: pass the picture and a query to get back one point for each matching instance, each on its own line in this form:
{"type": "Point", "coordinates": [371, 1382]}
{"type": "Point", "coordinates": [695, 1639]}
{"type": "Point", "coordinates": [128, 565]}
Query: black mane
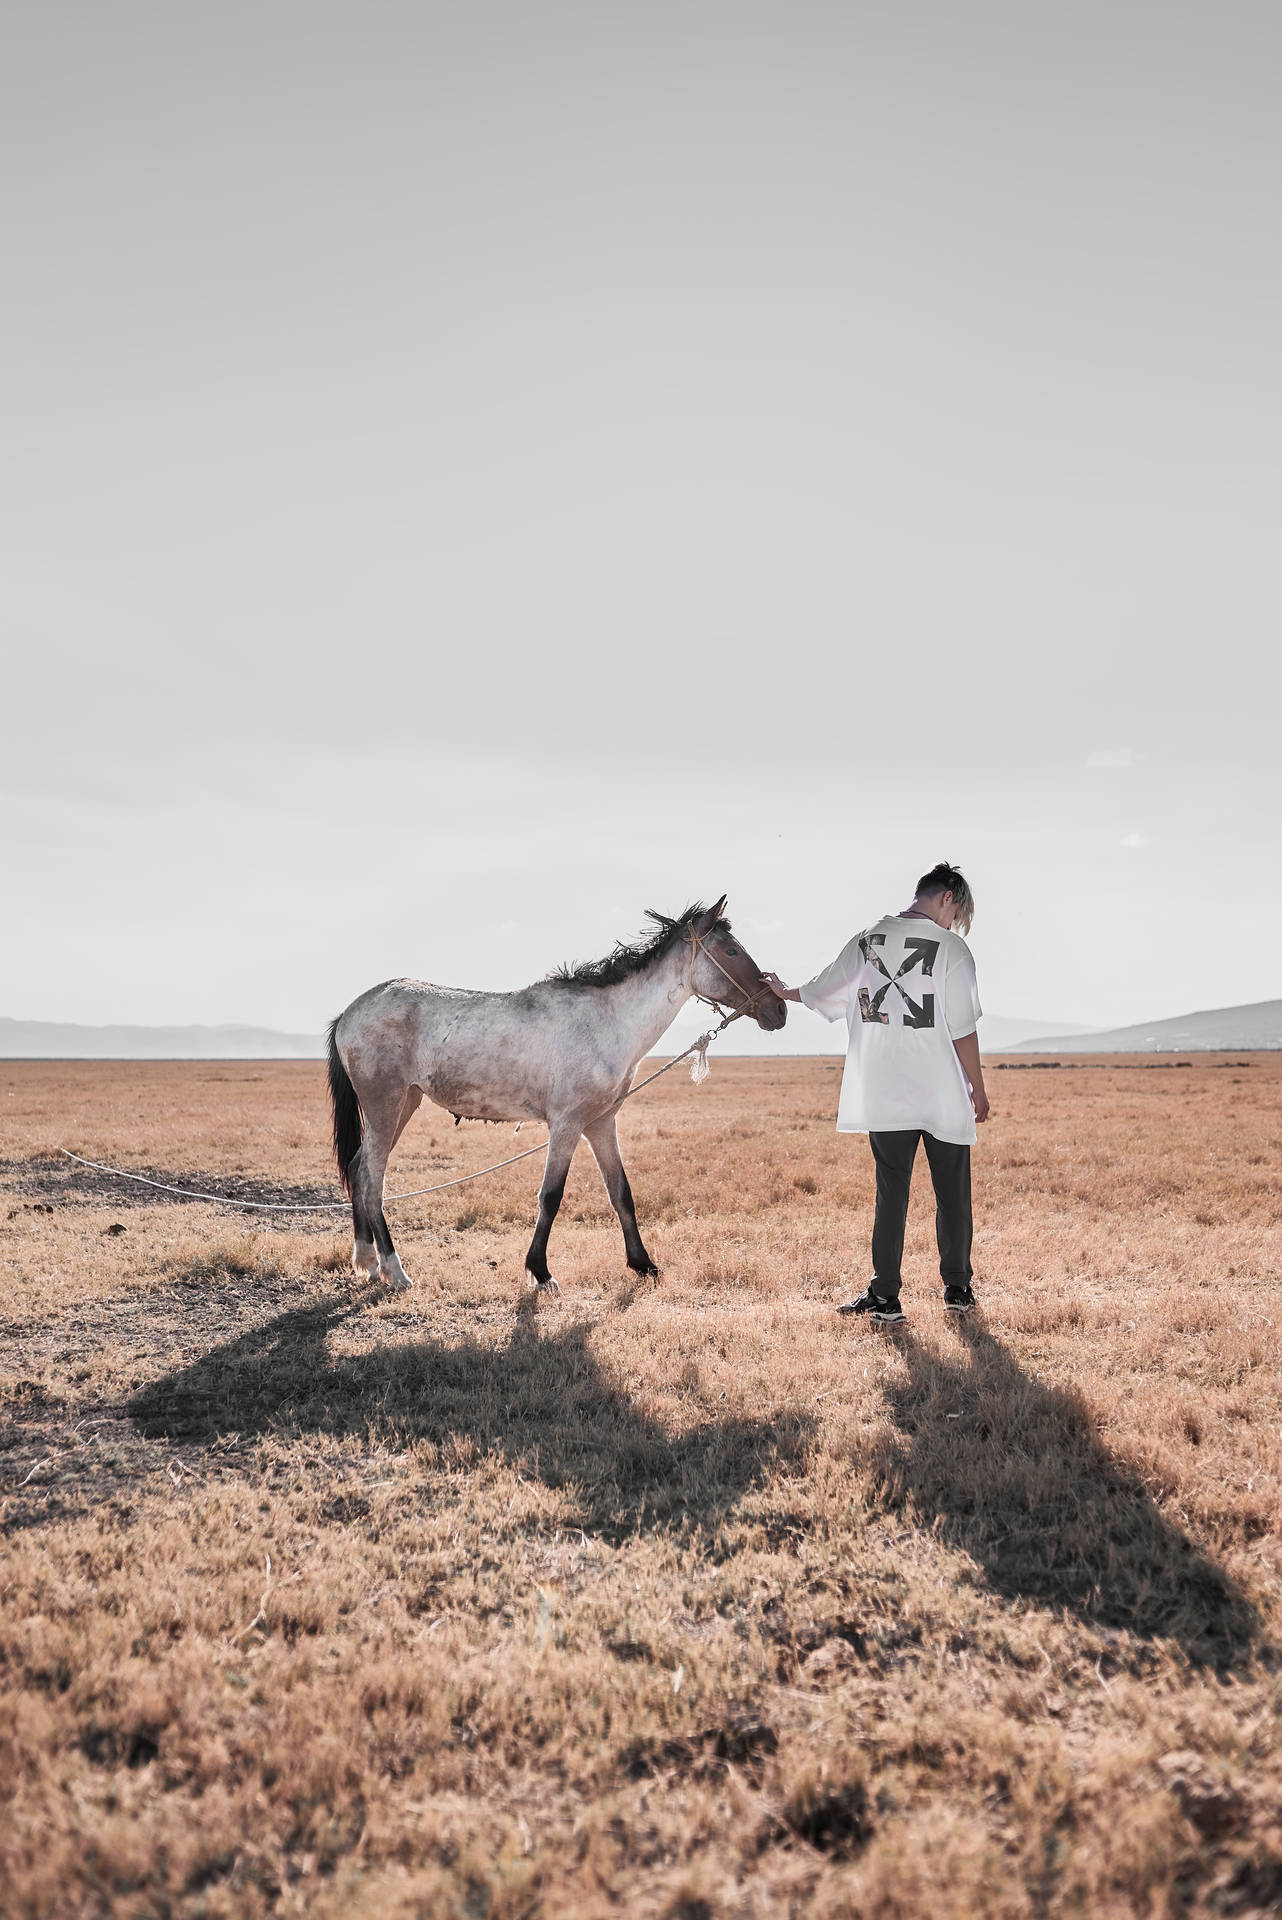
{"type": "Point", "coordinates": [634, 956]}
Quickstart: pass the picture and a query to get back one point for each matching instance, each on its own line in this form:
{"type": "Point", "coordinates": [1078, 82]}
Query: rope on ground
{"type": "Point", "coordinates": [287, 1206]}
{"type": "Point", "coordinates": [698, 1072]}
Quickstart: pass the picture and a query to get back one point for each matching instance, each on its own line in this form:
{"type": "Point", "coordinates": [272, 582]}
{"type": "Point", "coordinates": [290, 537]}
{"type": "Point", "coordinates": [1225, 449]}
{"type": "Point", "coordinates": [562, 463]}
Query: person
{"type": "Point", "coordinates": [908, 990]}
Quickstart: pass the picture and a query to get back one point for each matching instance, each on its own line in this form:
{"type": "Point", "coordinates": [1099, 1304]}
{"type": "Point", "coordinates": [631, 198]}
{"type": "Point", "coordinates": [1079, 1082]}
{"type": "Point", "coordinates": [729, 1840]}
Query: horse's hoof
{"type": "Point", "coordinates": [393, 1275]}
{"type": "Point", "coordinates": [545, 1286]}
{"type": "Point", "coordinates": [648, 1272]}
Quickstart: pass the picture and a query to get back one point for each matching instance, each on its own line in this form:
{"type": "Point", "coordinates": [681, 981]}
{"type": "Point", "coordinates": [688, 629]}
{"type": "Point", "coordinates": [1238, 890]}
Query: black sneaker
{"type": "Point", "coordinates": [959, 1299]}
{"type": "Point", "coordinates": [887, 1311]}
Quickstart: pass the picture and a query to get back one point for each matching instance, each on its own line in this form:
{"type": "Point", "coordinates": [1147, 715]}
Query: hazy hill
{"type": "Point", "coordinates": [997, 1034]}
{"type": "Point", "coordinates": [1217, 1029]}
{"type": "Point", "coordinates": [58, 1040]}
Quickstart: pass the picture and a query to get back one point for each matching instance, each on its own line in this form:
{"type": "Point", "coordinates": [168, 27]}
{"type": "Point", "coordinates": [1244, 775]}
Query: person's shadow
{"type": "Point", "coordinates": [1013, 1472]}
{"type": "Point", "coordinates": [540, 1402]}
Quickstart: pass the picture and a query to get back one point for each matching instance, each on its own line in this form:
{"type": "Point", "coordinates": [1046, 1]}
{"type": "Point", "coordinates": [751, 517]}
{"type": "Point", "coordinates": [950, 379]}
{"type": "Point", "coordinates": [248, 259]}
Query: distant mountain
{"type": "Point", "coordinates": [1218, 1030]}
{"type": "Point", "coordinates": [997, 1034]}
{"type": "Point", "coordinates": [55, 1040]}
{"type": "Point", "coordinates": [805, 1033]}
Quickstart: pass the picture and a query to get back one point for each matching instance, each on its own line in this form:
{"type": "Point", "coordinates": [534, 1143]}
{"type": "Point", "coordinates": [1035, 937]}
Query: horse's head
{"type": "Point", "coordinates": [724, 971]}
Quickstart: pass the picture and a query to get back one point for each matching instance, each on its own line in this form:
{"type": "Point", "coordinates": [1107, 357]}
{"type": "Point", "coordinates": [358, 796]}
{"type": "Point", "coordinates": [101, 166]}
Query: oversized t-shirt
{"type": "Point", "coordinates": [907, 988]}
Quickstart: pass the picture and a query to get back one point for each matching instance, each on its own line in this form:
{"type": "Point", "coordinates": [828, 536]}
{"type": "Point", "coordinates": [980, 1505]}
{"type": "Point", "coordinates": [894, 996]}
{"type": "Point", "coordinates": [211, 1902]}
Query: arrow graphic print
{"type": "Point", "coordinates": [918, 953]}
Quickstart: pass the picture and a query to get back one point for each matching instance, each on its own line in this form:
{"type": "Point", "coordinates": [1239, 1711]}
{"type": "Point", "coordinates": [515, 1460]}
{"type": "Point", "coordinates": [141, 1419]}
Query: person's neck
{"type": "Point", "coordinates": [919, 911]}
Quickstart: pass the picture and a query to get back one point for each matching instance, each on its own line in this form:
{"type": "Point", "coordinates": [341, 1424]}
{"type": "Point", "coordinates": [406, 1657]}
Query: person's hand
{"type": "Point", "coordinates": [979, 1100]}
{"type": "Point", "coordinates": [777, 986]}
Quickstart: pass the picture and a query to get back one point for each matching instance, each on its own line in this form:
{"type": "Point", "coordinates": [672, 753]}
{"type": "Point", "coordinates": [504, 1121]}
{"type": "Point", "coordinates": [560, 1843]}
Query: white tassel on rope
{"type": "Point", "coordinates": [699, 1068]}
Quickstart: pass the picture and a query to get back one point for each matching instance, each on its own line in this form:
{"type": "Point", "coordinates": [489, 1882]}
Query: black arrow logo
{"type": "Point", "coordinates": [917, 953]}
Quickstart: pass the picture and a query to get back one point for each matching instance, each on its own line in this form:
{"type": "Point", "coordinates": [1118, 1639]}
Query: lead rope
{"type": "Point", "coordinates": [698, 1073]}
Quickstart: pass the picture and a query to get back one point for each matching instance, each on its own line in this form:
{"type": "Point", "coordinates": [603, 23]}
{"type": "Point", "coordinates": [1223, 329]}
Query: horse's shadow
{"type": "Point", "coordinates": [1016, 1477]}
{"type": "Point", "coordinates": [540, 1402]}
{"type": "Point", "coordinates": [1013, 1472]}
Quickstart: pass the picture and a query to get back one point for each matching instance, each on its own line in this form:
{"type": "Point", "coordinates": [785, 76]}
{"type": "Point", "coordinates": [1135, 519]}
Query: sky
{"type": "Point", "coordinates": [472, 473]}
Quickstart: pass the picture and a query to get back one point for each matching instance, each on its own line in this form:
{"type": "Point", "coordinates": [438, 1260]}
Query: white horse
{"type": "Point", "coordinates": [563, 1051]}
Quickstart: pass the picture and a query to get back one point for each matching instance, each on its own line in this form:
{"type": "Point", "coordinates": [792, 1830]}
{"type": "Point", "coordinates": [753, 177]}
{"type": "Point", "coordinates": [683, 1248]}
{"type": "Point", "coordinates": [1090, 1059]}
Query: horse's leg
{"type": "Point", "coordinates": [409, 1107]}
{"type": "Point", "coordinates": [364, 1252]}
{"type": "Point", "coordinates": [386, 1117]}
{"type": "Point", "coordinates": [563, 1138]}
{"type": "Point", "coordinates": [602, 1136]}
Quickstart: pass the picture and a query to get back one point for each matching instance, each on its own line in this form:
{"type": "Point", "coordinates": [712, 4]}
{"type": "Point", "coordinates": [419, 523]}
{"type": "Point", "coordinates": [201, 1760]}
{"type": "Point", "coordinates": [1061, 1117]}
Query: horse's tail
{"type": "Point", "coordinates": [348, 1124]}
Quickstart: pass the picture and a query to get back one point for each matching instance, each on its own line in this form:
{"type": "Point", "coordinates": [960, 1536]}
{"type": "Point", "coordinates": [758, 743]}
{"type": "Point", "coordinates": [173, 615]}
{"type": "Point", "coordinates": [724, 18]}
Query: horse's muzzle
{"type": "Point", "coordinates": [772, 1012]}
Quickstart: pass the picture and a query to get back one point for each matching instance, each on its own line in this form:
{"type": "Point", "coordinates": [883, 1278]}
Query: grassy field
{"type": "Point", "coordinates": [683, 1598]}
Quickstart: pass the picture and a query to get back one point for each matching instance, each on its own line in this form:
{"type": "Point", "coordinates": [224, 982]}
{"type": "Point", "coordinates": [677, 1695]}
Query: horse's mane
{"type": "Point", "coordinates": [630, 957]}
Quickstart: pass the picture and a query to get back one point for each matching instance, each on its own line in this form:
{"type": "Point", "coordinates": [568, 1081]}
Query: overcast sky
{"type": "Point", "coordinates": [470, 473]}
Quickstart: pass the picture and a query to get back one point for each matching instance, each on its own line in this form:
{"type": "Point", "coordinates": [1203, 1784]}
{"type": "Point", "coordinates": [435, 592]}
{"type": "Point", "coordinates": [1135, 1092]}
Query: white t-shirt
{"type": "Point", "coordinates": [908, 990]}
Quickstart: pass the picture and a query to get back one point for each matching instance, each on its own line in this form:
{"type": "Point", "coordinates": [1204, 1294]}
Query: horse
{"type": "Point", "coordinates": [563, 1051]}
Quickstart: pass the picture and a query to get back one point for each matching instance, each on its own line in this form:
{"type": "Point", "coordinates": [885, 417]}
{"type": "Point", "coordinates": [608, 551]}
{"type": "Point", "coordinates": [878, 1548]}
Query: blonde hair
{"type": "Point", "coordinates": [946, 878]}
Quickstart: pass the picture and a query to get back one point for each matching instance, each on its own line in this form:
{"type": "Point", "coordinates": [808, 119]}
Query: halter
{"type": "Point", "coordinates": [696, 942]}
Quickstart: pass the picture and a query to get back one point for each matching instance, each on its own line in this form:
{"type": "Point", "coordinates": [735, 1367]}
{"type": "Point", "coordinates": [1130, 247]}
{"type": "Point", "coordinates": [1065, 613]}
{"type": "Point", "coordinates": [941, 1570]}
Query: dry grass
{"type": "Point", "coordinates": [687, 1599]}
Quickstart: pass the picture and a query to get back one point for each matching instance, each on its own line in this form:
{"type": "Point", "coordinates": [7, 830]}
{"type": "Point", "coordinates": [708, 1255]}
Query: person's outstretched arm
{"type": "Point", "coordinates": [777, 986]}
{"type": "Point", "coordinates": [829, 992]}
{"type": "Point", "coordinates": [967, 1051]}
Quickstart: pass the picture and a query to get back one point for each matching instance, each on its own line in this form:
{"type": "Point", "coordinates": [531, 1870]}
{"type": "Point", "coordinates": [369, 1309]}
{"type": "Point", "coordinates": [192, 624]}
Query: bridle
{"type": "Point", "coordinates": [697, 944]}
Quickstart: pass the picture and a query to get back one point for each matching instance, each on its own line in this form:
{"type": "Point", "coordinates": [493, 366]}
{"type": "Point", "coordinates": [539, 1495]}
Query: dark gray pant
{"type": "Point", "coordinates": [950, 1177]}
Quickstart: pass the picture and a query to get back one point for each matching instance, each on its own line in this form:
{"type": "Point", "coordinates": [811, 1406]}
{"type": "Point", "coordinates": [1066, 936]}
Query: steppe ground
{"type": "Point", "coordinates": [686, 1598]}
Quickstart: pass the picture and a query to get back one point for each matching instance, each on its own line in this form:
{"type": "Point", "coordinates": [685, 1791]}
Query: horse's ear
{"type": "Point", "coordinates": [707, 921]}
